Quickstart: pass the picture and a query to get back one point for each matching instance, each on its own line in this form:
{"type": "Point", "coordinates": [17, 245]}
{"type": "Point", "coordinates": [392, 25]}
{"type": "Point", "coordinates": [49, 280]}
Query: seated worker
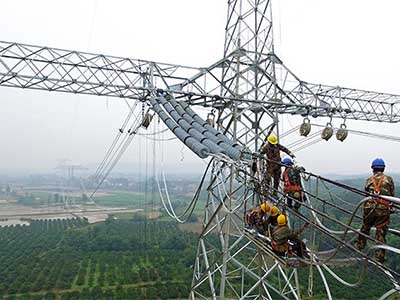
{"type": "Point", "coordinates": [281, 235]}
{"type": "Point", "coordinates": [256, 218]}
{"type": "Point", "coordinates": [292, 183]}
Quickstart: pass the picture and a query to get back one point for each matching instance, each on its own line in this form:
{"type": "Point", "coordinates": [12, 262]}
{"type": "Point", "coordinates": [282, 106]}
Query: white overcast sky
{"type": "Point", "coordinates": [353, 43]}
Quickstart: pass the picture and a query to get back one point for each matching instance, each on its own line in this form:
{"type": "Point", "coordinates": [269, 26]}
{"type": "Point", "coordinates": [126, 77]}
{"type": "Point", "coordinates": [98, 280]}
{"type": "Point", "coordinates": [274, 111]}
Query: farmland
{"type": "Point", "coordinates": [118, 259]}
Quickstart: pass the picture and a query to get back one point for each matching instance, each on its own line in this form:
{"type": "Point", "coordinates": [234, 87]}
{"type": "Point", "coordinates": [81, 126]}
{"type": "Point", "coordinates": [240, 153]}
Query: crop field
{"type": "Point", "coordinates": [118, 259]}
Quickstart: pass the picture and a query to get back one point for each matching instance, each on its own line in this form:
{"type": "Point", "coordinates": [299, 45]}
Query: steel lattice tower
{"type": "Point", "coordinates": [249, 88]}
{"type": "Point", "coordinates": [227, 266]}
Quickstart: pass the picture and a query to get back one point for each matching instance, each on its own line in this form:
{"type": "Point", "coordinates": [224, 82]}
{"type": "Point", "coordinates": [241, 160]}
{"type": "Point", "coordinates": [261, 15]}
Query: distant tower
{"type": "Point", "coordinates": [68, 176]}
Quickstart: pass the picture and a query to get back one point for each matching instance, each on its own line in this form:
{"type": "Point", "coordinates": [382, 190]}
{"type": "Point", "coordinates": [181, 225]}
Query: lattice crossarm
{"type": "Point", "coordinates": [356, 104]}
{"type": "Point", "coordinates": [51, 69]}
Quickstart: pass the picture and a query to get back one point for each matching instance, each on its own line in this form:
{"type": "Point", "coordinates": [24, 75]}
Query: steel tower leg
{"type": "Point", "coordinates": [228, 265]}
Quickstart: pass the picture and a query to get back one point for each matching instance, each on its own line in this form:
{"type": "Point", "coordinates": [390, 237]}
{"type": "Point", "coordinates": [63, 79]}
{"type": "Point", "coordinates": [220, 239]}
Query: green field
{"type": "Point", "coordinates": [126, 199]}
{"type": "Point", "coordinates": [118, 259]}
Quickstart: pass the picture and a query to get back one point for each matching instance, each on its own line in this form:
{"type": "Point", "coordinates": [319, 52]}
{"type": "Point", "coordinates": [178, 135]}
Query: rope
{"type": "Point", "coordinates": [187, 213]}
{"type": "Point", "coordinates": [103, 164]}
{"type": "Point", "coordinates": [315, 141]}
{"type": "Point", "coordinates": [303, 140]}
{"type": "Point", "coordinates": [342, 242]}
{"type": "Point", "coordinates": [289, 132]}
{"type": "Point", "coordinates": [347, 227]}
{"type": "Point", "coordinates": [116, 156]}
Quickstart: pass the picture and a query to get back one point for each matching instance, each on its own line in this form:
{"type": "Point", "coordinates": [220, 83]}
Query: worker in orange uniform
{"type": "Point", "coordinates": [292, 183]}
{"type": "Point", "coordinates": [377, 210]}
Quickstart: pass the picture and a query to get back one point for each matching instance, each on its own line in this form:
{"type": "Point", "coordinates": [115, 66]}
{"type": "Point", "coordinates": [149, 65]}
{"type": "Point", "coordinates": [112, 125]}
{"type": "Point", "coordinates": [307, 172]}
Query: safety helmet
{"type": "Point", "coordinates": [378, 163]}
{"type": "Point", "coordinates": [274, 211]}
{"type": "Point", "coordinates": [287, 161]}
{"type": "Point", "coordinates": [282, 219]}
{"type": "Point", "coordinates": [272, 139]}
{"type": "Point", "coordinates": [265, 207]}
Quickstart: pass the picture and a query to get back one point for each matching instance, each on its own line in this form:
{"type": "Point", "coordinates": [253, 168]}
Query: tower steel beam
{"type": "Point", "coordinates": [250, 87]}
{"type": "Point", "coordinates": [57, 70]}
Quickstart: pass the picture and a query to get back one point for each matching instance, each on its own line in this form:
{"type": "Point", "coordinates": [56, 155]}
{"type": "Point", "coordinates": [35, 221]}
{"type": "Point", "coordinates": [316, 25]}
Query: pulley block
{"type": "Point", "coordinates": [305, 128]}
{"type": "Point", "coordinates": [147, 118]}
{"type": "Point", "coordinates": [327, 132]}
{"type": "Point", "coordinates": [342, 133]}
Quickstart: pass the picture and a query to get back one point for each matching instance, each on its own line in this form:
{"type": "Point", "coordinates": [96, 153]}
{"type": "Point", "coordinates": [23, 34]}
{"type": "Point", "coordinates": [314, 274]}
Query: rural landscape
{"type": "Point", "coordinates": [199, 150]}
{"type": "Point", "coordinates": [118, 245]}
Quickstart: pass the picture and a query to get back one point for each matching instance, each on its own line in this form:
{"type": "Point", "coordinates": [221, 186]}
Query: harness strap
{"type": "Point", "coordinates": [276, 245]}
{"type": "Point", "coordinates": [387, 222]}
{"type": "Point", "coordinates": [279, 247]}
{"type": "Point", "coordinates": [377, 190]}
{"type": "Point", "coordinates": [377, 185]}
{"type": "Point", "coordinates": [288, 186]}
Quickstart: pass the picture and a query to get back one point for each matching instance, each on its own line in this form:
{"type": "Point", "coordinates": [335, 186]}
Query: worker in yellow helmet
{"type": "Point", "coordinates": [281, 235]}
{"type": "Point", "coordinates": [272, 149]}
{"type": "Point", "coordinates": [273, 218]}
{"type": "Point", "coordinates": [256, 218]}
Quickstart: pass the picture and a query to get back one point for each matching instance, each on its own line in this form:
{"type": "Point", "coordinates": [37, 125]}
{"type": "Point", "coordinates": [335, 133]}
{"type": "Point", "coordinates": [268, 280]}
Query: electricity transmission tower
{"type": "Point", "coordinates": [249, 88]}
{"type": "Point", "coordinates": [67, 178]}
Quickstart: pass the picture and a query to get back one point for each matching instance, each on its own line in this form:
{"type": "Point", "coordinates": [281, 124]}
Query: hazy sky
{"type": "Point", "coordinates": [340, 42]}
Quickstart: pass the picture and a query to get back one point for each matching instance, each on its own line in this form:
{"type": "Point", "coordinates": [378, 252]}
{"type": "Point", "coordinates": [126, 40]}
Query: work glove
{"type": "Point", "coordinates": [254, 167]}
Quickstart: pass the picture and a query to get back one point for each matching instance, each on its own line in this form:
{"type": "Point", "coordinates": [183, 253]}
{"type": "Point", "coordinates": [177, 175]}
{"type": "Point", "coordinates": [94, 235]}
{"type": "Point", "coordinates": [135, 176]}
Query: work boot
{"type": "Point", "coordinates": [380, 255]}
{"type": "Point", "coordinates": [359, 245]}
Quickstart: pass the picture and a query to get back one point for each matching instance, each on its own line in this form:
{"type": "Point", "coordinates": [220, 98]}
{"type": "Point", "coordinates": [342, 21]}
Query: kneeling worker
{"type": "Point", "coordinates": [281, 236]}
{"type": "Point", "coordinates": [273, 218]}
{"type": "Point", "coordinates": [257, 217]}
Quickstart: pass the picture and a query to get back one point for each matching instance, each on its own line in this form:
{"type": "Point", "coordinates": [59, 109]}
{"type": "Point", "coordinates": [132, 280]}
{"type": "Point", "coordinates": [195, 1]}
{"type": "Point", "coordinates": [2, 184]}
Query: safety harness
{"type": "Point", "coordinates": [288, 186]}
{"type": "Point", "coordinates": [283, 246]}
{"type": "Point", "coordinates": [279, 246]}
{"type": "Point", "coordinates": [386, 203]}
{"type": "Point", "coordinates": [377, 191]}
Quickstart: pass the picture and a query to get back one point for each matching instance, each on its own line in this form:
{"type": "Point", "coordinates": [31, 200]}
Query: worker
{"type": "Point", "coordinates": [376, 212]}
{"type": "Point", "coordinates": [292, 183]}
{"type": "Point", "coordinates": [272, 150]}
{"type": "Point", "coordinates": [257, 217]}
{"type": "Point", "coordinates": [255, 174]}
{"type": "Point", "coordinates": [273, 218]}
{"type": "Point", "coordinates": [282, 235]}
